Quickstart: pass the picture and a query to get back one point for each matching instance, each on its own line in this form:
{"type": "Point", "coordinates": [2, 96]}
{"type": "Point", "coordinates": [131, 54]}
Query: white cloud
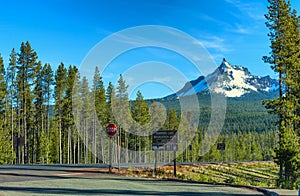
{"type": "Point", "coordinates": [252, 10]}
{"type": "Point", "coordinates": [214, 42]}
{"type": "Point", "coordinates": [213, 20]}
{"type": "Point", "coordinates": [239, 28]}
{"type": "Point", "coordinates": [217, 46]}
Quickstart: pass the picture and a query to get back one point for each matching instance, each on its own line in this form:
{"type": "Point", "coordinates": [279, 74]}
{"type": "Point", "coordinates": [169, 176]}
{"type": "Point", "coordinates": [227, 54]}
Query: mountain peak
{"type": "Point", "coordinates": [230, 80]}
{"type": "Point", "coordinates": [225, 63]}
{"type": "Point", "coordinates": [224, 66]}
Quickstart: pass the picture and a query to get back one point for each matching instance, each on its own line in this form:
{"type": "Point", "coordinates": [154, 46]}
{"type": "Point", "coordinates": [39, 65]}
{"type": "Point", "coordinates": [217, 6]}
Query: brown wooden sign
{"type": "Point", "coordinates": [165, 140]}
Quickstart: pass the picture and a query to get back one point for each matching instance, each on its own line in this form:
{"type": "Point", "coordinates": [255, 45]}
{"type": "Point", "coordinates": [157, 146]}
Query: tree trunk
{"type": "Point", "coordinates": [69, 144]}
{"type": "Point", "coordinates": [60, 142]}
{"type": "Point", "coordinates": [85, 143]}
{"type": "Point", "coordinates": [102, 147]}
{"type": "Point", "coordinates": [78, 149]}
{"type": "Point", "coordinates": [126, 146]}
{"type": "Point", "coordinates": [12, 128]}
{"type": "Point", "coordinates": [25, 131]}
{"type": "Point", "coordinates": [74, 151]}
{"type": "Point", "coordinates": [280, 123]}
{"type": "Point", "coordinates": [95, 138]}
{"type": "Point", "coordinates": [140, 149]}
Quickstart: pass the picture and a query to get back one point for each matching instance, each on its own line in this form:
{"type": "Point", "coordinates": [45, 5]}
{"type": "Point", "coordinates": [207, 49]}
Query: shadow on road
{"type": "Point", "coordinates": [34, 176]}
{"type": "Point", "coordinates": [68, 191]}
{"type": "Point", "coordinates": [100, 177]}
{"type": "Point", "coordinates": [62, 168]}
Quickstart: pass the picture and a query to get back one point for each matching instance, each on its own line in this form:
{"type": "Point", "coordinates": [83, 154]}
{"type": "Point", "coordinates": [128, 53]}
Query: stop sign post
{"type": "Point", "coordinates": [111, 130]}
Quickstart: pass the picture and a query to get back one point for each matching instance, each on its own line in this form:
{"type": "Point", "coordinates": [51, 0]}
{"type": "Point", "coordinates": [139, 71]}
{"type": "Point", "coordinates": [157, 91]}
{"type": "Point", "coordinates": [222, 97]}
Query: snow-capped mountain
{"type": "Point", "coordinates": [230, 80]}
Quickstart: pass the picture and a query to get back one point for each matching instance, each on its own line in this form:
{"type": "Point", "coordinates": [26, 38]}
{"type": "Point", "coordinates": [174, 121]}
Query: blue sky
{"type": "Point", "coordinates": [65, 31]}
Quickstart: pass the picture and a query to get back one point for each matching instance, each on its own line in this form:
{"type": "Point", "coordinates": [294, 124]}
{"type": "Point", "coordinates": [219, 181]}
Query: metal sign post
{"type": "Point", "coordinates": [110, 155]}
{"type": "Point", "coordinates": [111, 130]}
{"type": "Point", "coordinates": [119, 153]}
{"type": "Point", "coordinates": [175, 163]}
{"type": "Point", "coordinates": [221, 147]}
{"type": "Point", "coordinates": [155, 162]}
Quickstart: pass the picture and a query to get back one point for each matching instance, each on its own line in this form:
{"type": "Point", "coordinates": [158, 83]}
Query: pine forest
{"type": "Point", "coordinates": [59, 117]}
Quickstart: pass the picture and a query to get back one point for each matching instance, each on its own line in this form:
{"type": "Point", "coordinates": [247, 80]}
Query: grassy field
{"type": "Point", "coordinates": [262, 174]}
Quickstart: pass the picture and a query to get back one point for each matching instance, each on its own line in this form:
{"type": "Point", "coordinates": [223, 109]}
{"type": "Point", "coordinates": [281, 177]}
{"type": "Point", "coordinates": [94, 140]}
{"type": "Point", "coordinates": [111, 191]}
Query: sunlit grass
{"type": "Point", "coordinates": [262, 174]}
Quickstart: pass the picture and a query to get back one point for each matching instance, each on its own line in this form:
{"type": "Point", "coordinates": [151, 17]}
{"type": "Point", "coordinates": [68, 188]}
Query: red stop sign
{"type": "Point", "coordinates": [111, 129]}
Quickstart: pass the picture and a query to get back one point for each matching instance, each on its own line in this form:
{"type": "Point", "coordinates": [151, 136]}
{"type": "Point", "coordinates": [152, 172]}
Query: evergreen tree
{"type": "Point", "coordinates": [6, 155]}
{"type": "Point", "coordinates": [100, 114]}
{"type": "Point", "coordinates": [68, 123]}
{"type": "Point", "coordinates": [59, 92]}
{"type": "Point", "coordinates": [39, 113]}
{"type": "Point", "coordinates": [140, 113]}
{"type": "Point", "coordinates": [284, 25]}
{"type": "Point", "coordinates": [86, 118]}
{"type": "Point", "coordinates": [140, 110]}
{"type": "Point", "coordinates": [11, 91]}
{"type": "Point", "coordinates": [54, 142]}
{"type": "Point", "coordinates": [110, 95]}
{"type": "Point", "coordinates": [5, 139]}
{"type": "Point", "coordinates": [122, 113]}
{"type": "Point", "coordinates": [158, 116]}
{"type": "Point", "coordinates": [44, 148]}
{"type": "Point", "coordinates": [48, 82]}
{"type": "Point", "coordinates": [41, 100]}
{"type": "Point", "coordinates": [77, 103]}
{"type": "Point", "coordinates": [3, 92]}
{"type": "Point", "coordinates": [27, 61]}
{"type": "Point", "coordinates": [172, 121]}
{"type": "Point", "coordinates": [255, 147]}
{"type": "Point", "coordinates": [100, 97]}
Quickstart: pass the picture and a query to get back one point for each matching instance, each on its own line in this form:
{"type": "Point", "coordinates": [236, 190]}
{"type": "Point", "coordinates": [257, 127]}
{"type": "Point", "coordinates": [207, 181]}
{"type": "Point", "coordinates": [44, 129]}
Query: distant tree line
{"type": "Point", "coordinates": [62, 118]}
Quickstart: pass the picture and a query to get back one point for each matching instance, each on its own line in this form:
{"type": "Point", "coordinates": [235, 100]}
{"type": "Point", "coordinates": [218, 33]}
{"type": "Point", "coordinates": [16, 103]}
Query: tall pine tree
{"type": "Point", "coordinates": [3, 92]}
{"type": "Point", "coordinates": [122, 113]}
{"type": "Point", "coordinates": [11, 91]}
{"type": "Point", "coordinates": [140, 113]}
{"type": "Point", "coordinates": [100, 114]}
{"type": "Point", "coordinates": [59, 92]}
{"type": "Point", "coordinates": [284, 35]}
{"type": "Point", "coordinates": [27, 62]}
{"type": "Point", "coordinates": [69, 124]}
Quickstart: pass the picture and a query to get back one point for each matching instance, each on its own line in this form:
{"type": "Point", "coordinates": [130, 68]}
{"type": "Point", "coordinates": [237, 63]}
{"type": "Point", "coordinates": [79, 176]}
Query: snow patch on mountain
{"type": "Point", "coordinates": [231, 81]}
{"type": "Point", "coordinates": [234, 83]}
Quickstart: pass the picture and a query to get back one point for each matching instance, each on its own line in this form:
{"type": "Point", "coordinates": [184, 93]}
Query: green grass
{"type": "Point", "coordinates": [262, 174]}
{"type": "Point", "coordinates": [254, 174]}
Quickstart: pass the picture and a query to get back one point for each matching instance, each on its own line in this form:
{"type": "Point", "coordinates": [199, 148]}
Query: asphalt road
{"type": "Point", "coordinates": [88, 180]}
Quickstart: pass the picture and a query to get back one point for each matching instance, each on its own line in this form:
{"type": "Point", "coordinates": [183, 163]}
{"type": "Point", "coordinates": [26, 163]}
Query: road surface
{"type": "Point", "coordinates": [87, 180]}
